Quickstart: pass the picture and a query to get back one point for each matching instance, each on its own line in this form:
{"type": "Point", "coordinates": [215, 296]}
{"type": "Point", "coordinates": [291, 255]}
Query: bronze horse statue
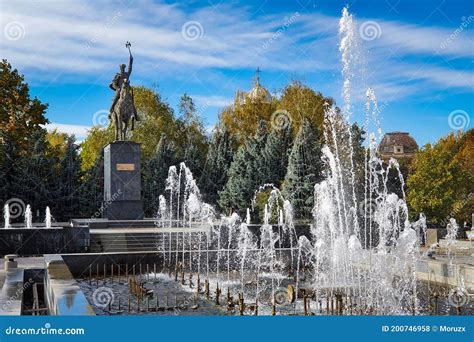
{"type": "Point", "coordinates": [124, 111]}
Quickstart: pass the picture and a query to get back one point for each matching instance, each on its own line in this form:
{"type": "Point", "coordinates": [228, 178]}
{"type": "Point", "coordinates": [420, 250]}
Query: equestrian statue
{"type": "Point", "coordinates": [123, 108]}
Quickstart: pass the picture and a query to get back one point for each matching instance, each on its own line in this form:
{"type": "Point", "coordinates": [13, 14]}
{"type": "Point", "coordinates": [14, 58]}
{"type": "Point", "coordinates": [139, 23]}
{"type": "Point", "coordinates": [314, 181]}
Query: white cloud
{"type": "Point", "coordinates": [414, 39]}
{"type": "Point", "coordinates": [78, 130]}
{"type": "Point", "coordinates": [86, 39]}
{"type": "Point", "coordinates": [212, 101]}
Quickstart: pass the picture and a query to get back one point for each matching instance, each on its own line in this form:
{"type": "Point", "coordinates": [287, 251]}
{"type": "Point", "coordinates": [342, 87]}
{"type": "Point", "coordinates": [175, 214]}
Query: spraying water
{"type": "Point", "coordinates": [6, 215]}
{"type": "Point", "coordinates": [361, 244]}
{"type": "Point", "coordinates": [28, 217]}
{"type": "Point", "coordinates": [48, 218]}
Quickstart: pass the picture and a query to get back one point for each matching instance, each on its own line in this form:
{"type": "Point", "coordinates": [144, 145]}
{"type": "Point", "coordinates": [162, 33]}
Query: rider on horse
{"type": "Point", "coordinates": [119, 79]}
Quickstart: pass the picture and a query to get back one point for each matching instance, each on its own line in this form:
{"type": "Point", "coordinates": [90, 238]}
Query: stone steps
{"type": "Point", "coordinates": [124, 242]}
{"type": "Point", "coordinates": [138, 239]}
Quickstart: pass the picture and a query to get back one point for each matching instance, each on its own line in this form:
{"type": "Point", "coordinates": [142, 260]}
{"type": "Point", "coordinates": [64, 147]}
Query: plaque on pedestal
{"type": "Point", "coordinates": [122, 181]}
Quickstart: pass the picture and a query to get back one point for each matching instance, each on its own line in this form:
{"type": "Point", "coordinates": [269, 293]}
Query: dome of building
{"type": "Point", "coordinates": [397, 145]}
{"type": "Point", "coordinates": [259, 93]}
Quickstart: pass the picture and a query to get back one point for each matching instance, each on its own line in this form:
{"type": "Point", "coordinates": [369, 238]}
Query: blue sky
{"type": "Point", "coordinates": [418, 57]}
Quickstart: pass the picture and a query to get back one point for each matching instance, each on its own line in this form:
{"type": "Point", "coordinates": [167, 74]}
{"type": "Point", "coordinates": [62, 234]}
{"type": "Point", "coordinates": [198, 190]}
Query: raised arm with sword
{"type": "Point", "coordinates": [121, 77]}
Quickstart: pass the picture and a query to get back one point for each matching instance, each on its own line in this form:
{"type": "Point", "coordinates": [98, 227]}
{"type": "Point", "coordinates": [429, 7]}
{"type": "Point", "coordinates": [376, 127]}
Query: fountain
{"type": "Point", "coordinates": [6, 215]}
{"type": "Point", "coordinates": [48, 218]}
{"type": "Point", "coordinates": [367, 258]}
{"type": "Point", "coordinates": [354, 259]}
{"type": "Point", "coordinates": [28, 217]}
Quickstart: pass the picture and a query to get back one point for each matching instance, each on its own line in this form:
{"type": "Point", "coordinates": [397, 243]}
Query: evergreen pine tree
{"type": "Point", "coordinates": [245, 173]}
{"type": "Point", "coordinates": [36, 177]}
{"type": "Point", "coordinates": [92, 190]}
{"type": "Point", "coordinates": [238, 189]}
{"type": "Point", "coordinates": [275, 155]}
{"type": "Point", "coordinates": [215, 172]}
{"type": "Point", "coordinates": [304, 170]}
{"type": "Point", "coordinates": [155, 173]}
{"type": "Point", "coordinates": [195, 140]}
{"type": "Point", "coordinates": [9, 167]}
{"type": "Point", "coordinates": [194, 158]}
{"type": "Point", "coordinates": [69, 182]}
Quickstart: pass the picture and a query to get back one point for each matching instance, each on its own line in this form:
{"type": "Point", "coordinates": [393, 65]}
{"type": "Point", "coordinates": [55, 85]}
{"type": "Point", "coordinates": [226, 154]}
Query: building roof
{"type": "Point", "coordinates": [257, 93]}
{"type": "Point", "coordinates": [395, 139]}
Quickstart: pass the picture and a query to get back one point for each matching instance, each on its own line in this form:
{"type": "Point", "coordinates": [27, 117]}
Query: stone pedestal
{"type": "Point", "coordinates": [122, 181]}
{"type": "Point", "coordinates": [431, 237]}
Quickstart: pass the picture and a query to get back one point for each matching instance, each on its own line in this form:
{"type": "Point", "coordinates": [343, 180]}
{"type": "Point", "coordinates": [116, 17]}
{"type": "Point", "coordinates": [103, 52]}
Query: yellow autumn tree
{"type": "Point", "coordinates": [441, 179]}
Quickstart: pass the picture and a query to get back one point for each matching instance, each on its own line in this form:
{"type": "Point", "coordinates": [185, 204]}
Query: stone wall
{"type": "Point", "coordinates": [37, 241]}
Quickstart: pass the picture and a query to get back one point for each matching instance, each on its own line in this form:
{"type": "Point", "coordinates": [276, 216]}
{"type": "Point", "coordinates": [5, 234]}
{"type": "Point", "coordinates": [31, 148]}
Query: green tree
{"type": "Point", "coordinates": [304, 170]}
{"type": "Point", "coordinates": [21, 118]}
{"type": "Point", "coordinates": [275, 154]}
{"type": "Point", "coordinates": [69, 180]}
{"type": "Point", "coordinates": [193, 140]}
{"type": "Point", "coordinates": [156, 117]}
{"type": "Point", "coordinates": [303, 103]}
{"type": "Point", "coordinates": [10, 166]}
{"type": "Point", "coordinates": [441, 179]}
{"type": "Point", "coordinates": [91, 190]}
{"type": "Point", "coordinates": [57, 142]}
{"type": "Point", "coordinates": [215, 172]}
{"type": "Point", "coordinates": [242, 119]}
{"type": "Point", "coordinates": [20, 115]}
{"type": "Point", "coordinates": [93, 144]}
{"type": "Point", "coordinates": [36, 177]}
{"type": "Point", "coordinates": [155, 173]}
{"type": "Point", "coordinates": [245, 173]}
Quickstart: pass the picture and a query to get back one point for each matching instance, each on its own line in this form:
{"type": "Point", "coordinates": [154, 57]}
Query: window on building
{"type": "Point", "coordinates": [398, 149]}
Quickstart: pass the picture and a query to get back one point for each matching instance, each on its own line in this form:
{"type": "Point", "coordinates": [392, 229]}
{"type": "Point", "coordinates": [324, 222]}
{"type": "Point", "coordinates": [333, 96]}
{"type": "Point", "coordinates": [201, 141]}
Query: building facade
{"type": "Point", "coordinates": [397, 145]}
